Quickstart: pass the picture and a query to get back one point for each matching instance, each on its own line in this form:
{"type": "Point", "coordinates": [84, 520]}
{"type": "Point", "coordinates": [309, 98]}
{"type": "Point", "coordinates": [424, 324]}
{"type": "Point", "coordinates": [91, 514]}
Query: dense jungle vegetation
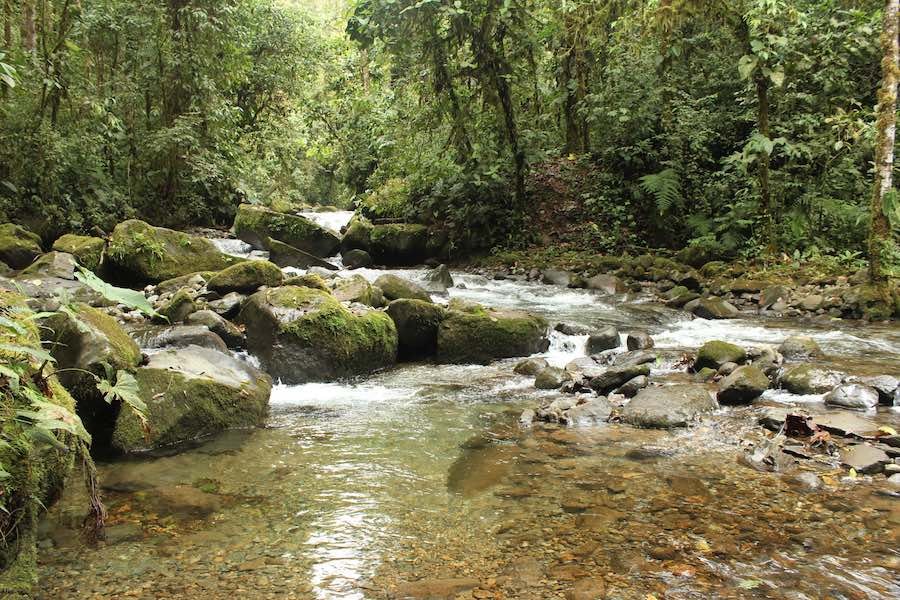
{"type": "Point", "coordinates": [743, 128]}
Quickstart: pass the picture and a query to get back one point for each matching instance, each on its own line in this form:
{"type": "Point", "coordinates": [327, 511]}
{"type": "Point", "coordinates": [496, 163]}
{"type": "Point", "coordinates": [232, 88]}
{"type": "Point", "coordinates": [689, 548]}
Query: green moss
{"type": "Point", "coordinates": [18, 246]}
{"type": "Point", "coordinates": [256, 224]}
{"type": "Point", "coordinates": [716, 353]}
{"type": "Point", "coordinates": [399, 243]}
{"type": "Point", "coordinates": [87, 250]}
{"type": "Point", "coordinates": [358, 235]}
{"type": "Point", "coordinates": [141, 253]}
{"type": "Point", "coordinates": [483, 335]}
{"type": "Point", "coordinates": [124, 352]}
{"type": "Point", "coordinates": [246, 277]}
{"type": "Point", "coordinates": [358, 289]}
{"type": "Point", "coordinates": [310, 280]}
{"type": "Point", "coordinates": [176, 283]}
{"type": "Point", "coordinates": [179, 307]}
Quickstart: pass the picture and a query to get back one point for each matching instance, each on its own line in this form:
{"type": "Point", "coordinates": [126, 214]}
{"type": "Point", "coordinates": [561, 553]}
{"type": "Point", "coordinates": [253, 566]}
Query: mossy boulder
{"type": "Point", "coordinates": [871, 302]}
{"type": "Point", "coordinates": [310, 280]}
{"type": "Point", "coordinates": [417, 325]}
{"type": "Point", "coordinates": [285, 255]}
{"type": "Point", "coordinates": [358, 235]}
{"type": "Point", "coordinates": [302, 334]}
{"type": "Point", "coordinates": [18, 246]}
{"type": "Point", "coordinates": [664, 407]}
{"type": "Point", "coordinates": [190, 393]}
{"type": "Point", "coordinates": [800, 347]}
{"type": "Point", "coordinates": [399, 244]}
{"type": "Point", "coordinates": [52, 264]}
{"type": "Point", "coordinates": [484, 335]}
{"type": "Point", "coordinates": [256, 224]}
{"type": "Point", "coordinates": [87, 339]}
{"type": "Point", "coordinates": [809, 379]}
{"type": "Point", "coordinates": [230, 333]}
{"type": "Point", "coordinates": [141, 253]}
{"type": "Point", "coordinates": [716, 353]}
{"type": "Point", "coordinates": [743, 385]}
{"type": "Point", "coordinates": [179, 306]}
{"type": "Point", "coordinates": [246, 277]}
{"type": "Point", "coordinates": [191, 280]}
{"type": "Point", "coordinates": [36, 471]}
{"type": "Point", "coordinates": [87, 250]}
{"type": "Point", "coordinates": [714, 308]}
{"type": "Point", "coordinates": [551, 378]}
{"type": "Point", "coordinates": [395, 287]}
{"type": "Point", "coordinates": [358, 289]}
{"type": "Point", "coordinates": [356, 259]}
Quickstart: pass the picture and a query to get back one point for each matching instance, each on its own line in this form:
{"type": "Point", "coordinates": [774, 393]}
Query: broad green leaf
{"type": "Point", "coordinates": [38, 354]}
{"type": "Point", "coordinates": [746, 65]}
{"type": "Point", "coordinates": [130, 298]}
{"type": "Point", "coordinates": [777, 78]}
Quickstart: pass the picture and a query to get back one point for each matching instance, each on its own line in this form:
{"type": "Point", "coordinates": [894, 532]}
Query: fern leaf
{"type": "Point", "coordinates": [665, 187]}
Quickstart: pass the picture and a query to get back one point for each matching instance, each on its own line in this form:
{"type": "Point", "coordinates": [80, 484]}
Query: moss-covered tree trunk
{"type": "Point", "coordinates": [886, 129]}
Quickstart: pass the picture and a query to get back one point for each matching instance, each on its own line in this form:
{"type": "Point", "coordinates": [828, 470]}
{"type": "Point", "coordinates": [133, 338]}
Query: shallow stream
{"type": "Point", "coordinates": [421, 473]}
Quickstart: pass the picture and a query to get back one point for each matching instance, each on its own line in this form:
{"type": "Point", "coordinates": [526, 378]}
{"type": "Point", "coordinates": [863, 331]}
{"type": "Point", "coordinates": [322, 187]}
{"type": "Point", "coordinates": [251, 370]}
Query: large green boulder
{"type": "Point", "coordinates": [86, 249]}
{"type": "Point", "coordinates": [53, 264]}
{"type": "Point", "coordinates": [417, 325]}
{"type": "Point", "coordinates": [395, 287]}
{"type": "Point", "coordinates": [358, 234]}
{"type": "Point", "coordinates": [303, 334]}
{"type": "Point", "coordinates": [744, 385]}
{"type": "Point", "coordinates": [35, 469]}
{"type": "Point", "coordinates": [84, 341]}
{"type": "Point", "coordinates": [141, 253]}
{"type": "Point", "coordinates": [285, 255]}
{"type": "Point", "coordinates": [808, 379]}
{"type": "Point", "coordinates": [246, 277]}
{"type": "Point", "coordinates": [483, 335]}
{"type": "Point", "coordinates": [256, 224]}
{"type": "Point", "coordinates": [399, 244]}
{"type": "Point", "coordinates": [18, 246]}
{"type": "Point", "coordinates": [192, 392]}
{"type": "Point", "coordinates": [716, 353]}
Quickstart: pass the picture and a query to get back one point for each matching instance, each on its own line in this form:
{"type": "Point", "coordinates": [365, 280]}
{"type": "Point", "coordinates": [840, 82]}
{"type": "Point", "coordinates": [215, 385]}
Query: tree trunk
{"type": "Point", "coordinates": [7, 25]}
{"type": "Point", "coordinates": [765, 193]}
{"type": "Point", "coordinates": [886, 129]}
{"type": "Point", "coordinates": [28, 38]}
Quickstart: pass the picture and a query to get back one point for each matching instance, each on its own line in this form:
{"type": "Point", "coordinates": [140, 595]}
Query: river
{"type": "Point", "coordinates": [422, 473]}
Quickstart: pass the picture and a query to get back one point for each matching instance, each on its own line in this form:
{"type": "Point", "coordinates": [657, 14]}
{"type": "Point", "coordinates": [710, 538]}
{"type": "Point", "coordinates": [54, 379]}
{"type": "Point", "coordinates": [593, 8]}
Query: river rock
{"type": "Point", "coordinates": [715, 308]}
{"type": "Point", "coordinates": [553, 412]}
{"type": "Point", "coordinates": [417, 325]}
{"type": "Point", "coordinates": [587, 414]}
{"type": "Point", "coordinates": [434, 589]}
{"type": "Point", "coordinates": [809, 379]}
{"type": "Point", "coordinates": [812, 302]}
{"type": "Point", "coordinates": [772, 294]}
{"type": "Point", "coordinates": [606, 338]}
{"type": "Point", "coordinates": [18, 246]}
{"type": "Point", "coordinates": [88, 251]}
{"type": "Point", "coordinates": [572, 329]}
{"type": "Point", "coordinates": [189, 393]}
{"type": "Point", "coordinates": [285, 255]}
{"type": "Point", "coordinates": [639, 340]}
{"type": "Point", "coordinates": [302, 334]}
{"type": "Point", "coordinates": [716, 353]}
{"type": "Point", "coordinates": [551, 378]}
{"type": "Point", "coordinates": [608, 284]}
{"type": "Point", "coordinates": [228, 331]}
{"type": "Point", "coordinates": [854, 396]}
{"type": "Point", "coordinates": [313, 280]}
{"type": "Point", "coordinates": [864, 458]}
{"type": "Point", "coordinates": [179, 306]}
{"type": "Point", "coordinates": [141, 253]}
{"type": "Point", "coordinates": [398, 244]}
{"type": "Point", "coordinates": [743, 385]}
{"type": "Point", "coordinates": [178, 336]}
{"type": "Point", "coordinates": [800, 347]}
{"type": "Point", "coordinates": [631, 387]}
{"type": "Point", "coordinates": [614, 377]}
{"type": "Point", "coordinates": [357, 288]}
{"type": "Point", "coordinates": [228, 305]}
{"type": "Point", "coordinates": [246, 277]}
{"type": "Point", "coordinates": [483, 335]}
{"type": "Point", "coordinates": [356, 259]}
{"type": "Point", "coordinates": [887, 387]}
{"type": "Point", "coordinates": [556, 277]}
{"type": "Point", "coordinates": [193, 281]}
{"type": "Point", "coordinates": [395, 287]}
{"type": "Point", "coordinates": [668, 406]}
{"type": "Point", "coordinates": [256, 224]}
{"type": "Point", "coordinates": [52, 264]}
{"type": "Point", "coordinates": [531, 366]}
{"type": "Point", "coordinates": [438, 280]}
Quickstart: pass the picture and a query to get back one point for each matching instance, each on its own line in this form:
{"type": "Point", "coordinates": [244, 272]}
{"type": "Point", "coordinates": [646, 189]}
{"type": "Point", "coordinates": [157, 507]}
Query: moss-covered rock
{"type": "Point", "coordinates": [87, 250]}
{"type": "Point", "coordinates": [285, 255]}
{"type": "Point", "coordinates": [356, 259]}
{"type": "Point", "coordinates": [358, 235]}
{"type": "Point", "coordinates": [716, 353]}
{"type": "Point", "coordinates": [179, 306]}
{"type": "Point", "coordinates": [310, 280]}
{"type": "Point", "coordinates": [809, 379]}
{"type": "Point", "coordinates": [302, 334]}
{"type": "Point", "coordinates": [52, 264]}
{"type": "Point", "coordinates": [18, 246]}
{"type": "Point", "coordinates": [743, 385]}
{"type": "Point", "coordinates": [399, 244]}
{"type": "Point", "coordinates": [871, 302]}
{"type": "Point", "coordinates": [800, 347]}
{"type": "Point", "coordinates": [395, 287]}
{"type": "Point", "coordinates": [246, 277]}
{"type": "Point", "coordinates": [190, 393]}
{"type": "Point", "coordinates": [87, 339]}
{"type": "Point", "coordinates": [256, 224]}
{"type": "Point", "coordinates": [36, 471]}
{"type": "Point", "coordinates": [141, 253]}
{"type": "Point", "coordinates": [668, 406]}
{"type": "Point", "coordinates": [417, 325]}
{"type": "Point", "coordinates": [191, 280]}
{"type": "Point", "coordinates": [230, 333]}
{"type": "Point", "coordinates": [357, 289]}
{"type": "Point", "coordinates": [714, 308]}
{"type": "Point", "coordinates": [489, 334]}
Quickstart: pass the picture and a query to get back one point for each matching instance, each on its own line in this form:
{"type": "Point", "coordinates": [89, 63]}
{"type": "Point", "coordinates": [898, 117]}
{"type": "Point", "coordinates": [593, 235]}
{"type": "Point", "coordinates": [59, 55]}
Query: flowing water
{"type": "Point", "coordinates": [421, 473]}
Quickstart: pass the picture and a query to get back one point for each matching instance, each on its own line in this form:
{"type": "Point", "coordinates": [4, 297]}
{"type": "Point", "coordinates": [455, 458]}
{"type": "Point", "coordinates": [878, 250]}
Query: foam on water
{"type": "Point", "coordinates": [330, 220]}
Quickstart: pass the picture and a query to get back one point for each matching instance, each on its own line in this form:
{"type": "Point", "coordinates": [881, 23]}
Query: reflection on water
{"type": "Point", "coordinates": [422, 473]}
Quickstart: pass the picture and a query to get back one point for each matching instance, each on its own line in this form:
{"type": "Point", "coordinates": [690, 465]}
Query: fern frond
{"type": "Point", "coordinates": [665, 187]}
